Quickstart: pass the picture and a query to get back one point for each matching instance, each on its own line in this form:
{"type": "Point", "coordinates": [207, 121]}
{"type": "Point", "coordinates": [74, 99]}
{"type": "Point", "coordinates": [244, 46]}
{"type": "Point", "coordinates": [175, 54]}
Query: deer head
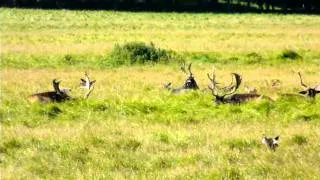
{"type": "Point", "coordinates": [190, 83]}
{"type": "Point", "coordinates": [62, 92]}
{"type": "Point", "coordinates": [271, 143]}
{"type": "Point", "coordinates": [310, 92]}
{"type": "Point", "coordinates": [227, 90]}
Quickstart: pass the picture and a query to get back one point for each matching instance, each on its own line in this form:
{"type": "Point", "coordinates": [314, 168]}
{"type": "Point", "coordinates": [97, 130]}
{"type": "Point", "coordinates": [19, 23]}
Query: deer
{"type": "Point", "coordinates": [51, 96]}
{"type": "Point", "coordinates": [309, 91]}
{"type": "Point", "coordinates": [229, 96]}
{"type": "Point", "coordinates": [271, 143]}
{"type": "Point", "coordinates": [190, 83]}
{"type": "Point", "coordinates": [87, 85]}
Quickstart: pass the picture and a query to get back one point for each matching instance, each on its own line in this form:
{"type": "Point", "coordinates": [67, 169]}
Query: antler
{"type": "Point", "coordinates": [87, 84]}
{"type": "Point", "coordinates": [213, 83]}
{"type": "Point", "coordinates": [302, 84]}
{"type": "Point", "coordinates": [233, 88]}
{"type": "Point", "coordinates": [89, 92]}
{"type": "Point", "coordinates": [189, 69]}
{"type": "Point", "coordinates": [183, 67]}
{"type": "Point", "coordinates": [55, 84]}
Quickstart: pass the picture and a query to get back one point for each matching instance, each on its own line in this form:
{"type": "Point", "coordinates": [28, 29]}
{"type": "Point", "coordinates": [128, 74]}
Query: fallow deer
{"type": "Point", "coordinates": [190, 83]}
{"type": "Point", "coordinates": [271, 143]}
{"type": "Point", "coordinates": [87, 84]}
{"type": "Point", "coordinates": [309, 91]}
{"type": "Point", "coordinates": [51, 96]}
{"type": "Point", "coordinates": [230, 90]}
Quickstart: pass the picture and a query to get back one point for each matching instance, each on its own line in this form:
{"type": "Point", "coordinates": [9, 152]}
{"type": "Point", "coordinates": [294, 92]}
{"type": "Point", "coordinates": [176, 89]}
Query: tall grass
{"type": "Point", "coordinates": [132, 128]}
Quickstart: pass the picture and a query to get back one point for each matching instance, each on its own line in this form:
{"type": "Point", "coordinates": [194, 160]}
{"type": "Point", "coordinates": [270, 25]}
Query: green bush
{"type": "Point", "coordinates": [290, 54]}
{"type": "Point", "coordinates": [299, 139]}
{"type": "Point", "coordinates": [138, 53]}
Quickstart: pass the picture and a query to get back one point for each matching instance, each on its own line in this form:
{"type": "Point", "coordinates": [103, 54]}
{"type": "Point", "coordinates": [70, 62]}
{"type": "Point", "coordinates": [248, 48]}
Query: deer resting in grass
{"type": "Point", "coordinates": [228, 96]}
{"type": "Point", "coordinates": [51, 96]}
{"type": "Point", "coordinates": [309, 91]}
{"type": "Point", "coordinates": [190, 83]}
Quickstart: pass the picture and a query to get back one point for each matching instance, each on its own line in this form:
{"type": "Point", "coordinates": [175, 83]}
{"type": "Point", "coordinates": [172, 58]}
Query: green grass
{"type": "Point", "coordinates": [130, 127]}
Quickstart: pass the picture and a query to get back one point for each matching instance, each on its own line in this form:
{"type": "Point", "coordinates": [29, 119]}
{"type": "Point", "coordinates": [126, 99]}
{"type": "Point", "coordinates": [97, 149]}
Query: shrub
{"type": "Point", "coordinates": [254, 58]}
{"type": "Point", "coordinates": [138, 53]}
{"type": "Point", "coordinates": [290, 54]}
{"type": "Point", "coordinates": [299, 139]}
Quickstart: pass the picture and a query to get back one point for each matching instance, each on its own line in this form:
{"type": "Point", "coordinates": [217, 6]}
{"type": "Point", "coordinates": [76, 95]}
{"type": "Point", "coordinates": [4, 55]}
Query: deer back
{"type": "Point", "coordinates": [50, 96]}
{"type": "Point", "coordinates": [239, 98]}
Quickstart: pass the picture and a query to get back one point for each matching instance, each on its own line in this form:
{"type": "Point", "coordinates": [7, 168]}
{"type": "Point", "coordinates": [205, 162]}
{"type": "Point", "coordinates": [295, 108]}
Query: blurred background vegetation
{"type": "Point", "coordinates": [283, 6]}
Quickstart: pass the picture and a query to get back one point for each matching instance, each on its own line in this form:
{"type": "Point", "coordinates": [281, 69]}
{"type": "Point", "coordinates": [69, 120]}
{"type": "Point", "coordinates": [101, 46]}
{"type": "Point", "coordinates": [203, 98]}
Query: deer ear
{"type": "Point", "coordinates": [303, 92]}
{"type": "Point", "coordinates": [277, 138]}
{"type": "Point", "coordinates": [317, 92]}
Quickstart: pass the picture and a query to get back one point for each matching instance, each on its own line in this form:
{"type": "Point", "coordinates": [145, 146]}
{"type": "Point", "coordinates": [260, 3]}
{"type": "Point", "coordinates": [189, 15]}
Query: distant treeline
{"type": "Point", "coordinates": [302, 6]}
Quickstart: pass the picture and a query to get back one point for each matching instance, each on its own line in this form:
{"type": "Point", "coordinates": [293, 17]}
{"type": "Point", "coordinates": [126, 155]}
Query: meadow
{"type": "Point", "coordinates": [132, 128]}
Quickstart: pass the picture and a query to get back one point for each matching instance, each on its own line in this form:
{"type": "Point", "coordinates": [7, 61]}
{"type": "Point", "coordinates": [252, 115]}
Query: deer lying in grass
{"type": "Point", "coordinates": [310, 92]}
{"type": "Point", "coordinates": [230, 90]}
{"type": "Point", "coordinates": [51, 96]}
{"type": "Point", "coordinates": [271, 143]}
{"type": "Point", "coordinates": [189, 84]}
{"type": "Point", "coordinates": [87, 84]}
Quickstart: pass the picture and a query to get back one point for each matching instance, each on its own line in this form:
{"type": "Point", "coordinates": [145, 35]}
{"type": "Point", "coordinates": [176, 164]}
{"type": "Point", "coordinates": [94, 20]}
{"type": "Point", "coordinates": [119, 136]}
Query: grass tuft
{"type": "Point", "coordinates": [51, 111]}
{"type": "Point", "coordinates": [138, 53]}
{"type": "Point", "coordinates": [290, 54]}
{"type": "Point", "coordinates": [231, 173]}
{"type": "Point", "coordinates": [10, 145]}
{"type": "Point", "coordinates": [128, 144]}
{"type": "Point", "coordinates": [241, 144]}
{"type": "Point", "coordinates": [299, 139]}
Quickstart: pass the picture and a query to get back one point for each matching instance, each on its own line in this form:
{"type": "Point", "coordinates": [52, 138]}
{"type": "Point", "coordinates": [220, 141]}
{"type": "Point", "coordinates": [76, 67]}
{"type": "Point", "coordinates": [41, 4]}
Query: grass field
{"type": "Point", "coordinates": [131, 128]}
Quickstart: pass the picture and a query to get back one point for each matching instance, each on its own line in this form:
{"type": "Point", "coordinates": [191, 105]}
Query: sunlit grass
{"type": "Point", "coordinates": [61, 32]}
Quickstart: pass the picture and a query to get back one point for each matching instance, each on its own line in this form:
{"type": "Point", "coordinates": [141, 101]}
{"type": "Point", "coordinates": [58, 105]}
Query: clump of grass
{"type": "Point", "coordinates": [9, 145]}
{"type": "Point", "coordinates": [163, 163]}
{"type": "Point", "coordinates": [290, 54]}
{"type": "Point", "coordinates": [81, 155]}
{"type": "Point", "coordinates": [69, 59]}
{"type": "Point", "coordinates": [163, 137]}
{"type": "Point", "coordinates": [299, 139]}
{"type": "Point", "coordinates": [231, 173]}
{"type": "Point", "coordinates": [254, 58]}
{"type": "Point", "coordinates": [51, 111]}
{"type": "Point", "coordinates": [307, 117]}
{"type": "Point", "coordinates": [138, 53]}
{"type": "Point", "coordinates": [128, 144]}
{"type": "Point", "coordinates": [241, 144]}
